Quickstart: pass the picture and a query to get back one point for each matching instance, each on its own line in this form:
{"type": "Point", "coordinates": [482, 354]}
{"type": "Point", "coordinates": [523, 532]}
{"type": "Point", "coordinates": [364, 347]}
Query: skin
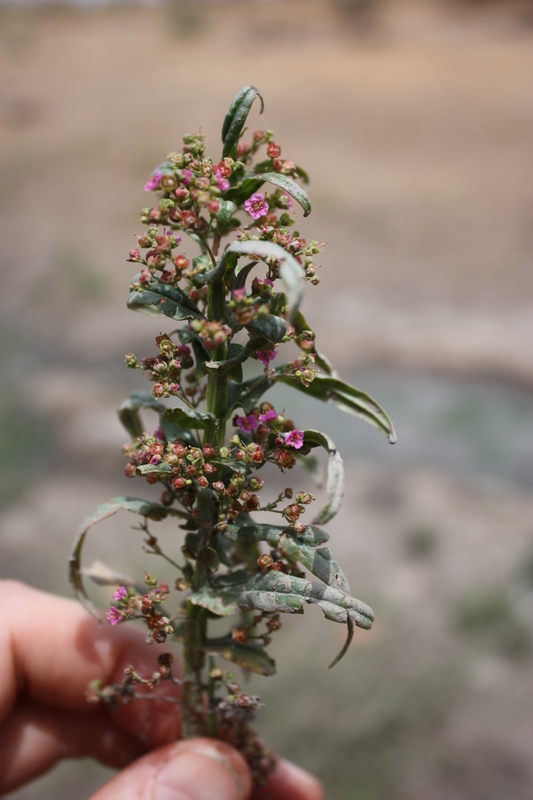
{"type": "Point", "coordinates": [50, 649]}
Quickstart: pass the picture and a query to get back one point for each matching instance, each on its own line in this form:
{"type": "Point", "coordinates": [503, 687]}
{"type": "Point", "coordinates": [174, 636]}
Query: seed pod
{"type": "Point", "coordinates": [239, 635]}
{"type": "Point", "coordinates": [265, 560]}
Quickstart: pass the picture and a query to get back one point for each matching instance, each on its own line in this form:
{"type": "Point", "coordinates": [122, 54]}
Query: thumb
{"type": "Point", "coordinates": [197, 769]}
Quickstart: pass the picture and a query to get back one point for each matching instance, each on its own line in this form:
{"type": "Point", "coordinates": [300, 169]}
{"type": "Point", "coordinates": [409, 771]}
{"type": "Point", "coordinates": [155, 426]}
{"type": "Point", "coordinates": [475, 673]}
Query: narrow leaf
{"type": "Point", "coordinates": [276, 591]}
{"type": "Point", "coordinates": [335, 476]}
{"type": "Point", "coordinates": [312, 535]}
{"type": "Point", "coordinates": [291, 187]}
{"type": "Point", "coordinates": [249, 656]}
{"type": "Point", "coordinates": [290, 271]}
{"type": "Point", "coordinates": [235, 119]}
{"type": "Point", "coordinates": [136, 506]}
{"type": "Point", "coordinates": [189, 419]}
{"type": "Point", "coordinates": [320, 562]}
{"type": "Point", "coordinates": [128, 413]}
{"type": "Point", "coordinates": [347, 398]}
{"type": "Point", "coordinates": [163, 299]}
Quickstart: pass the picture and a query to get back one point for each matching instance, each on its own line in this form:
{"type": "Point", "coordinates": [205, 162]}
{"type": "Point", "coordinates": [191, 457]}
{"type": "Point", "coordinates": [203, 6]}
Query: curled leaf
{"type": "Point", "coordinates": [136, 506]}
{"type": "Point", "coordinates": [291, 187]}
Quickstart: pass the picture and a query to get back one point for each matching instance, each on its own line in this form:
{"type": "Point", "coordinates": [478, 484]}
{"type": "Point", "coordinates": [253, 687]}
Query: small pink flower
{"type": "Point", "coordinates": [154, 182]}
{"type": "Point", "coordinates": [249, 423]}
{"type": "Point", "coordinates": [114, 615]}
{"type": "Point", "coordinates": [266, 356]}
{"type": "Point", "coordinates": [154, 461]}
{"type": "Point", "coordinates": [256, 205]}
{"type": "Point", "coordinates": [164, 588]}
{"type": "Point", "coordinates": [239, 294]}
{"type": "Point", "coordinates": [295, 439]}
{"type": "Point", "coordinates": [268, 416]}
{"type": "Point", "coordinates": [186, 175]}
{"type": "Point", "coordinates": [159, 434]}
{"type": "Point", "coordinates": [120, 594]}
{"type": "Point", "coordinates": [289, 200]}
{"type": "Point", "coordinates": [223, 183]}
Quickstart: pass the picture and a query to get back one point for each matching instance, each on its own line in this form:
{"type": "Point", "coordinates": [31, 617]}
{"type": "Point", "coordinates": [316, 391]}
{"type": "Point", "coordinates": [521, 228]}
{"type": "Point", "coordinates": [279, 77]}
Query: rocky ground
{"type": "Point", "coordinates": [416, 126]}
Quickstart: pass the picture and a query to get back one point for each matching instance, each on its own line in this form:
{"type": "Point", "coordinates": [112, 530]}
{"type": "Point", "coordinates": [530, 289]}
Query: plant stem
{"type": "Point", "coordinates": [194, 718]}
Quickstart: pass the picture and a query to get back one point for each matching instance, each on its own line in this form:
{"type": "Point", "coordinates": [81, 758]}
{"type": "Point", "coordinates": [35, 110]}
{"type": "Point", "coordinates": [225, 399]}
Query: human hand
{"type": "Point", "coordinates": [50, 649]}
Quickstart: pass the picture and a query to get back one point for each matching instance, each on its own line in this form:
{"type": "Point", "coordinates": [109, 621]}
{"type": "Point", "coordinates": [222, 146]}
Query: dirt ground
{"type": "Point", "coordinates": [416, 124]}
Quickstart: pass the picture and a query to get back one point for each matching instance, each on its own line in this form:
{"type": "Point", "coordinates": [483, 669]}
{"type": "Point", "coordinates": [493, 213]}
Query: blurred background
{"type": "Point", "coordinates": [415, 120]}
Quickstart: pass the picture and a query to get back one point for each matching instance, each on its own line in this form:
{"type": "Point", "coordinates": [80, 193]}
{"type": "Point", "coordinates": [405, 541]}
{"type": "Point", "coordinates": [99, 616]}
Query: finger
{"type": "Point", "coordinates": [34, 736]}
{"type": "Point", "coordinates": [199, 769]}
{"type": "Point", "coordinates": [289, 782]}
{"type": "Point", "coordinates": [50, 649]}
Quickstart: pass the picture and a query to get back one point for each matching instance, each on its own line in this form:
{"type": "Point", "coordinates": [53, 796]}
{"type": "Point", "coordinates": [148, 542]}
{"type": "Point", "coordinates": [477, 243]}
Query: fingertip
{"type": "Point", "coordinates": [289, 782]}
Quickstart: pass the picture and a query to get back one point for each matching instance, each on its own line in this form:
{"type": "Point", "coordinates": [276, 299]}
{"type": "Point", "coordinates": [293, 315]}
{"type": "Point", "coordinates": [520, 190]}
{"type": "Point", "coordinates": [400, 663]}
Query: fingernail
{"type": "Point", "coordinates": [203, 772]}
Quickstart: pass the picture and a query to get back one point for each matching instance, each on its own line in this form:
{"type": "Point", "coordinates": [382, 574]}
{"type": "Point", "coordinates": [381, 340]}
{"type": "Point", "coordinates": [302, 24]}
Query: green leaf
{"type": "Point", "coordinates": [128, 413]}
{"type": "Point", "coordinates": [320, 562]}
{"type": "Point", "coordinates": [291, 187]}
{"type": "Point", "coordinates": [136, 506]}
{"type": "Point", "coordinates": [236, 117]}
{"type": "Point", "coordinates": [247, 394]}
{"type": "Point", "coordinates": [276, 591]}
{"type": "Point", "coordinates": [161, 298]}
{"type": "Point", "coordinates": [249, 656]}
{"type": "Point", "coordinates": [347, 398]}
{"type": "Point", "coordinates": [243, 191]}
{"type": "Point", "coordinates": [225, 214]}
{"type": "Point", "coordinates": [335, 476]}
{"type": "Point", "coordinates": [300, 325]}
{"type": "Point", "coordinates": [152, 469]}
{"type": "Point", "coordinates": [290, 271]}
{"type": "Point", "coordinates": [189, 419]}
{"type": "Point", "coordinates": [271, 327]}
{"type": "Point", "coordinates": [220, 596]}
{"type": "Point", "coordinates": [312, 535]}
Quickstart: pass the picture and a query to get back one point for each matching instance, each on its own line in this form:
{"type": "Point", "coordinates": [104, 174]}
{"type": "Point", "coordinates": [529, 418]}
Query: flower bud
{"type": "Point", "coordinates": [265, 560]}
{"type": "Point", "coordinates": [130, 470]}
{"type": "Point", "coordinates": [239, 635]}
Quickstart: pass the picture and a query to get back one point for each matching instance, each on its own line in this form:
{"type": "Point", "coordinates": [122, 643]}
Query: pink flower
{"type": "Point", "coordinates": [154, 182]}
{"type": "Point", "coordinates": [120, 594]}
{"type": "Point", "coordinates": [159, 434]}
{"type": "Point", "coordinates": [186, 175]}
{"type": "Point", "coordinates": [223, 183]}
{"type": "Point", "coordinates": [249, 423]}
{"type": "Point", "coordinates": [266, 356]}
{"type": "Point", "coordinates": [256, 205]}
{"type": "Point", "coordinates": [239, 294]}
{"type": "Point", "coordinates": [164, 588]}
{"type": "Point", "coordinates": [268, 416]}
{"type": "Point", "coordinates": [289, 200]}
{"type": "Point", "coordinates": [114, 615]}
{"type": "Point", "coordinates": [295, 439]}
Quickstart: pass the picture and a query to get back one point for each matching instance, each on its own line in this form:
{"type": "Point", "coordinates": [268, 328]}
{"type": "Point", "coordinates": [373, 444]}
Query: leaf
{"type": "Point", "coordinates": [246, 189]}
{"type": "Point", "coordinates": [102, 575]}
{"type": "Point", "coordinates": [320, 562]}
{"type": "Point", "coordinates": [136, 506]}
{"type": "Point", "coordinates": [291, 187]}
{"type": "Point", "coordinates": [224, 215]}
{"type": "Point", "coordinates": [128, 413]}
{"type": "Point", "coordinates": [164, 299]}
{"type": "Point", "coordinates": [220, 596]}
{"type": "Point", "coordinates": [312, 535]}
{"type": "Point", "coordinates": [335, 476]}
{"type": "Point", "coordinates": [276, 591]}
{"type": "Point", "coordinates": [189, 419]}
{"type": "Point", "coordinates": [347, 398]}
{"type": "Point", "coordinates": [290, 270]}
{"type": "Point", "coordinates": [248, 656]}
{"type": "Point", "coordinates": [271, 327]}
{"type": "Point", "coordinates": [300, 325]}
{"type": "Point", "coordinates": [247, 394]}
{"type": "Point", "coordinates": [236, 117]}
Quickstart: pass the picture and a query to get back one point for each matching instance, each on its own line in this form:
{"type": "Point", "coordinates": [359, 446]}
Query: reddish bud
{"type": "Point", "coordinates": [273, 150]}
{"type": "Point", "coordinates": [239, 635]}
{"type": "Point", "coordinates": [130, 470]}
{"type": "Point", "coordinates": [265, 560]}
{"type": "Point", "coordinates": [151, 479]}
